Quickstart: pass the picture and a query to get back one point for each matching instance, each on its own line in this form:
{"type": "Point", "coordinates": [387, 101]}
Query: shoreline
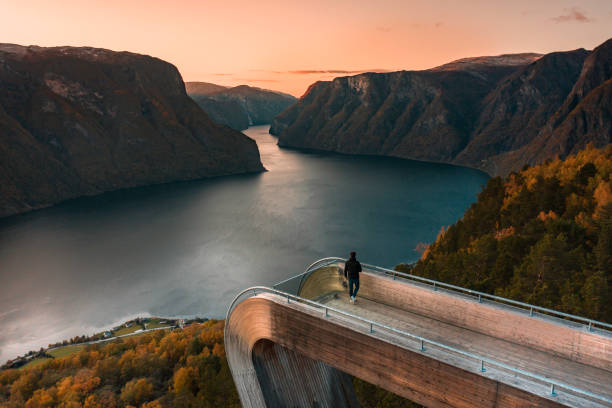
{"type": "Point", "coordinates": [126, 329]}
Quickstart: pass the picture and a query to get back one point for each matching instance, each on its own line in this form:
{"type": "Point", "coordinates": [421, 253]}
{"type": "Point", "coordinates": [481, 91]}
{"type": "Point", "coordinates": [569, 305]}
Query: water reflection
{"type": "Point", "coordinates": [188, 248]}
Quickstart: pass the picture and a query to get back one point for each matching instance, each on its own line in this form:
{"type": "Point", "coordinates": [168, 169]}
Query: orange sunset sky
{"type": "Point", "coordinates": [287, 45]}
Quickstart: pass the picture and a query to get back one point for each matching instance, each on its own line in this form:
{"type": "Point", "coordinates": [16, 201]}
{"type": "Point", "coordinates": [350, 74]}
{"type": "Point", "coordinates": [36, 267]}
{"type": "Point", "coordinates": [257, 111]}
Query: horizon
{"type": "Point", "coordinates": [236, 44]}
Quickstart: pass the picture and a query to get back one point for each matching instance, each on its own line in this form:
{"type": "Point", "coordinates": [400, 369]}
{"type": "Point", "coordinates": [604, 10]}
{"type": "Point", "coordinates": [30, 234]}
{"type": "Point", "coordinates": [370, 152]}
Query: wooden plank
{"type": "Point", "coordinates": [535, 361]}
{"type": "Point", "coordinates": [407, 373]}
{"type": "Point", "coordinates": [495, 320]}
{"type": "Point", "coordinates": [319, 384]}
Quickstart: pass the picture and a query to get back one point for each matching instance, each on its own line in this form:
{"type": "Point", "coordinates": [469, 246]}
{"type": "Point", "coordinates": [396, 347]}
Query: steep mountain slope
{"type": "Point", "coordinates": [583, 118]}
{"type": "Point", "coordinates": [493, 113]}
{"type": "Point", "coordinates": [241, 106]}
{"type": "Point", "coordinates": [514, 112]}
{"type": "Point", "coordinates": [425, 115]}
{"type": "Point", "coordinates": [81, 121]}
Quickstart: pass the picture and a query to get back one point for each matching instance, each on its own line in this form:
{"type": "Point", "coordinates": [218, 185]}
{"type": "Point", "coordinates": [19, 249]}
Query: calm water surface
{"type": "Point", "coordinates": [187, 249]}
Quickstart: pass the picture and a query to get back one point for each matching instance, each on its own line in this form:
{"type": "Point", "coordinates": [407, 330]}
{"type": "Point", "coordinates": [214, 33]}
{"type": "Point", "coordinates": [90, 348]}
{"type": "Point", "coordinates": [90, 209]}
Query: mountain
{"type": "Point", "coordinates": [241, 106]}
{"type": "Point", "coordinates": [516, 110]}
{"type": "Point", "coordinates": [493, 113]}
{"type": "Point", "coordinates": [203, 88]}
{"type": "Point", "coordinates": [423, 115]}
{"type": "Point", "coordinates": [584, 117]}
{"type": "Point", "coordinates": [81, 121]}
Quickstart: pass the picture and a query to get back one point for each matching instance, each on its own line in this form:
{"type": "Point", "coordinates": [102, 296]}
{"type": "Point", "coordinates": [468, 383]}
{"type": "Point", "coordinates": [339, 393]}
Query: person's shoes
{"type": "Point", "coordinates": [351, 299]}
{"type": "Point", "coordinates": [354, 300]}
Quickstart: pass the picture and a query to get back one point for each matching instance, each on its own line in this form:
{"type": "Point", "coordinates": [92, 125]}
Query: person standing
{"type": "Point", "coordinates": [352, 267]}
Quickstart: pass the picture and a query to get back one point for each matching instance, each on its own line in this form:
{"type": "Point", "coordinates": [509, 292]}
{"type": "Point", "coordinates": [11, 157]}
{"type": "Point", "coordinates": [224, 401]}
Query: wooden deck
{"type": "Point", "coordinates": [286, 352]}
{"type": "Point", "coordinates": [565, 371]}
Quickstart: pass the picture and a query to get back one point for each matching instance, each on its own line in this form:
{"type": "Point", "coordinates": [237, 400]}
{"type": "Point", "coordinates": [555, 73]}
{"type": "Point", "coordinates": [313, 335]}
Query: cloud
{"type": "Point", "coordinates": [266, 70]}
{"type": "Point", "coordinates": [573, 14]}
{"type": "Point", "coordinates": [333, 71]}
{"type": "Point", "coordinates": [223, 74]}
{"type": "Point", "coordinates": [256, 80]}
{"type": "Point", "coordinates": [384, 29]}
{"type": "Point", "coordinates": [439, 24]}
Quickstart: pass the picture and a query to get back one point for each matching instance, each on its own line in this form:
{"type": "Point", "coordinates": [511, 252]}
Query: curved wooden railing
{"type": "Point", "coordinates": [422, 344]}
{"type": "Point", "coordinates": [569, 319]}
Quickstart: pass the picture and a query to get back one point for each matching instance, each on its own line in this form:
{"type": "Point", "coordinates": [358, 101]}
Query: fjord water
{"type": "Point", "coordinates": [187, 249]}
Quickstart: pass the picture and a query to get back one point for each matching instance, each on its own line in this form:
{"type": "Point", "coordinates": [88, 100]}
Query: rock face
{"type": "Point", "coordinates": [241, 106]}
{"type": "Point", "coordinates": [492, 113]}
{"type": "Point", "coordinates": [81, 121]}
{"type": "Point", "coordinates": [517, 109]}
{"type": "Point", "coordinates": [584, 117]}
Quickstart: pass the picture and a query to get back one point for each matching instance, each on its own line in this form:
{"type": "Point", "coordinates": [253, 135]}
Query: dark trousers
{"type": "Point", "coordinates": [353, 283]}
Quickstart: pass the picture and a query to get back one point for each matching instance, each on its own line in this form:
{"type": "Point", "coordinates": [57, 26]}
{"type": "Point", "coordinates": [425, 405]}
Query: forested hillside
{"type": "Point", "coordinates": [180, 368]}
{"type": "Point", "coordinates": [542, 236]}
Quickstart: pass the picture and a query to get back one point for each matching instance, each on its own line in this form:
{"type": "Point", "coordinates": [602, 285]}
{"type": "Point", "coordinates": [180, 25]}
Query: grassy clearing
{"type": "Point", "coordinates": [127, 330]}
{"type": "Point", "coordinates": [35, 362]}
{"type": "Point", "coordinates": [66, 351]}
{"type": "Point", "coordinates": [155, 325]}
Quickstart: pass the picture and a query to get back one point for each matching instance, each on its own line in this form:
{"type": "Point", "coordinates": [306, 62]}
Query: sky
{"type": "Point", "coordinates": [288, 45]}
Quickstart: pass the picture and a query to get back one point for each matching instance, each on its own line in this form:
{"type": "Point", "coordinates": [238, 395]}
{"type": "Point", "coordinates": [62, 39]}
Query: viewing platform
{"type": "Point", "coordinates": [436, 344]}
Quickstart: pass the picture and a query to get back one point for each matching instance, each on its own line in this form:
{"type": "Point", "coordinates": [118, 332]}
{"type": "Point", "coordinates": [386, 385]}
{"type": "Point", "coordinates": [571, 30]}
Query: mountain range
{"type": "Point", "coordinates": [241, 106]}
{"type": "Point", "coordinates": [493, 113]}
{"type": "Point", "coordinates": [81, 121]}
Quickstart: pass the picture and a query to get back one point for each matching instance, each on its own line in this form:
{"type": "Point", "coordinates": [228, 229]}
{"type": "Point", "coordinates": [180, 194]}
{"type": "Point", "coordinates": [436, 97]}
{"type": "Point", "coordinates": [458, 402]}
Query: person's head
{"type": "Point", "coordinates": [353, 254]}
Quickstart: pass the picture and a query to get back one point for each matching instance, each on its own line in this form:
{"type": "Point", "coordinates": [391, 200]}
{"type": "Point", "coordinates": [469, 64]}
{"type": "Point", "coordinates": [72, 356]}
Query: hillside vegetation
{"type": "Point", "coordinates": [179, 368]}
{"type": "Point", "coordinates": [542, 236]}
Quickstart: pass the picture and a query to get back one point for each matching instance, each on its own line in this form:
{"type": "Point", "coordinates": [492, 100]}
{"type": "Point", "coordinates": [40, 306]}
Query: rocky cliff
{"type": "Point", "coordinates": [584, 117]}
{"type": "Point", "coordinates": [81, 121]}
{"type": "Point", "coordinates": [493, 113]}
{"type": "Point", "coordinates": [241, 106]}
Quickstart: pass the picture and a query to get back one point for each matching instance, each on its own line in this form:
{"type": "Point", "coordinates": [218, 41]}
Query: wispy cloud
{"type": "Point", "coordinates": [384, 29]}
{"type": "Point", "coordinates": [572, 14]}
{"type": "Point", "coordinates": [439, 24]}
{"type": "Point", "coordinates": [316, 71]}
{"type": "Point", "coordinates": [266, 70]}
{"type": "Point", "coordinates": [256, 80]}
{"type": "Point", "coordinates": [333, 71]}
{"type": "Point", "coordinates": [223, 74]}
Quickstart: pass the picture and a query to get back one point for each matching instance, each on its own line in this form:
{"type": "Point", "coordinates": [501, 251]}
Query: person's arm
{"type": "Point", "coordinates": [345, 270]}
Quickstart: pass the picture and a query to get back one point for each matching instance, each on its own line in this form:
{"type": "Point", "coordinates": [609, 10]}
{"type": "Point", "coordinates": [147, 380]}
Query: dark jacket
{"type": "Point", "coordinates": [352, 267]}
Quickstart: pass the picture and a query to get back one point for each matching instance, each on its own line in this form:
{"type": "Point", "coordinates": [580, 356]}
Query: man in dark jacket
{"type": "Point", "coordinates": [352, 267]}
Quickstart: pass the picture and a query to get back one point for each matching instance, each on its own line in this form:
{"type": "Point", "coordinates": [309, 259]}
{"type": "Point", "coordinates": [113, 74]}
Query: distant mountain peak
{"type": "Point", "coordinates": [240, 106]}
{"type": "Point", "coordinates": [203, 88]}
{"type": "Point", "coordinates": [491, 60]}
{"type": "Point", "coordinates": [496, 113]}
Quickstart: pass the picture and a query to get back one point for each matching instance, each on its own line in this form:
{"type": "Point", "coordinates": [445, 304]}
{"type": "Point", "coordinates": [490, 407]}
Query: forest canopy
{"type": "Point", "coordinates": [181, 368]}
{"type": "Point", "coordinates": [542, 236]}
